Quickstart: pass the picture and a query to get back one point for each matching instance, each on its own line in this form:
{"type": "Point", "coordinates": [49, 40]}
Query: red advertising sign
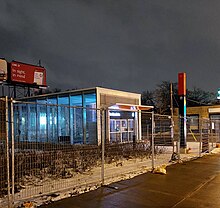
{"type": "Point", "coordinates": [182, 84]}
{"type": "Point", "coordinates": [28, 74]}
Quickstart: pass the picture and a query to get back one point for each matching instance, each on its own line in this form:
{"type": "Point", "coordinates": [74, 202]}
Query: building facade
{"type": "Point", "coordinates": [199, 116]}
{"type": "Point", "coordinates": [75, 117]}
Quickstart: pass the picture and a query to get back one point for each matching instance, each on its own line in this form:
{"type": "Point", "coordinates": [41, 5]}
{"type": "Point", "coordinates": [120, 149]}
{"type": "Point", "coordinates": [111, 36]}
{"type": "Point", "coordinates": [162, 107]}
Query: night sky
{"type": "Point", "coordinates": [130, 45]}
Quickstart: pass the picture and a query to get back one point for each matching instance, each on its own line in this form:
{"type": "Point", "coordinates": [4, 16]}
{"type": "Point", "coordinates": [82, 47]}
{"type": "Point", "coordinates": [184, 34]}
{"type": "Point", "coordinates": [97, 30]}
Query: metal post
{"type": "Point", "coordinates": [209, 135]}
{"type": "Point", "coordinates": [200, 141]}
{"type": "Point", "coordinates": [103, 146]}
{"type": "Point", "coordinates": [172, 134]}
{"type": "Point", "coordinates": [15, 92]}
{"type": "Point", "coordinates": [171, 109]}
{"type": "Point", "coordinates": [211, 127]}
{"type": "Point", "coordinates": [3, 91]}
{"type": "Point", "coordinates": [12, 151]}
{"type": "Point", "coordinates": [7, 150]}
{"type": "Point", "coordinates": [152, 139]}
{"type": "Point", "coordinates": [178, 143]}
{"type": "Point", "coordinates": [147, 131]}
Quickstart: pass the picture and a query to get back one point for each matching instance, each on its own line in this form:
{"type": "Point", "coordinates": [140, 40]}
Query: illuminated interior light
{"type": "Point", "coordinates": [23, 120]}
{"type": "Point", "coordinates": [116, 114]}
{"type": "Point", "coordinates": [114, 107]}
{"type": "Point", "coordinates": [43, 120]}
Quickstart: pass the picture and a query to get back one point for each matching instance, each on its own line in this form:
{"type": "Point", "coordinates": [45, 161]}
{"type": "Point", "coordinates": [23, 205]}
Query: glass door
{"type": "Point", "coordinates": [121, 130]}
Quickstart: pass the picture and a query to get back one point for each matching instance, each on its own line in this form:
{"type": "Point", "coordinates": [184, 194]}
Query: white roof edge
{"type": "Point", "coordinates": [102, 89]}
{"type": "Point", "coordinates": [137, 107]}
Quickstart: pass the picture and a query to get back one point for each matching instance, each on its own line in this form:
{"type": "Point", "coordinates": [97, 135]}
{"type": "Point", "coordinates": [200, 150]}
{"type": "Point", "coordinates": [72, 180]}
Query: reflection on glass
{"type": "Point", "coordinates": [90, 118]}
{"type": "Point", "coordinates": [63, 120]}
{"type": "Point", "coordinates": [42, 121]}
{"type": "Point", "coordinates": [52, 119]}
{"type": "Point", "coordinates": [57, 119]}
{"type": "Point", "coordinates": [76, 121]}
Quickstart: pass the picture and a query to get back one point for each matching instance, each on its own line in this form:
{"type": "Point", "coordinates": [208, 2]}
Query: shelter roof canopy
{"type": "Point", "coordinates": [130, 107]}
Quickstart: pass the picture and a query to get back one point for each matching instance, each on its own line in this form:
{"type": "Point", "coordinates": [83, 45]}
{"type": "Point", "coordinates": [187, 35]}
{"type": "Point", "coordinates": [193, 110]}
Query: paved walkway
{"type": "Point", "coordinates": [190, 184]}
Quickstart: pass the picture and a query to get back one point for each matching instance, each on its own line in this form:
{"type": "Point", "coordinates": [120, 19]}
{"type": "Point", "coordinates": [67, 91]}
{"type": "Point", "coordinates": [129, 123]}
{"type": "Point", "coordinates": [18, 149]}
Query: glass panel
{"type": "Point", "coordinates": [76, 120]}
{"type": "Point", "coordinates": [131, 134]}
{"type": "Point", "coordinates": [32, 123]}
{"type": "Point", "coordinates": [16, 123]}
{"type": "Point", "coordinates": [118, 137]}
{"type": "Point", "coordinates": [23, 123]}
{"type": "Point", "coordinates": [130, 125]}
{"type": "Point", "coordinates": [130, 129]}
{"type": "Point", "coordinates": [124, 126]}
{"type": "Point", "coordinates": [20, 122]}
{"type": "Point", "coordinates": [112, 125]}
{"type": "Point", "coordinates": [124, 137]}
{"type": "Point", "coordinates": [42, 121]}
{"type": "Point", "coordinates": [52, 119]}
{"type": "Point", "coordinates": [112, 137]}
{"type": "Point", "coordinates": [90, 117]}
{"type": "Point", "coordinates": [117, 126]}
{"type": "Point", "coordinates": [63, 120]}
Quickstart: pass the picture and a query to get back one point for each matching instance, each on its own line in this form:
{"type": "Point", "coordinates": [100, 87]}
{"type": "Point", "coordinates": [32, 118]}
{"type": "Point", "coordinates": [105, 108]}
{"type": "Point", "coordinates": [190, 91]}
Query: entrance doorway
{"type": "Point", "coordinates": [122, 130]}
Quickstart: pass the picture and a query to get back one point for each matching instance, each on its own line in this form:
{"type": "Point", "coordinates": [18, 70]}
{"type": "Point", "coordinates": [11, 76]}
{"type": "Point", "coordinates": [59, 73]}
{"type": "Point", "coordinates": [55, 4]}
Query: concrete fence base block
{"type": "Point", "coordinates": [183, 150]}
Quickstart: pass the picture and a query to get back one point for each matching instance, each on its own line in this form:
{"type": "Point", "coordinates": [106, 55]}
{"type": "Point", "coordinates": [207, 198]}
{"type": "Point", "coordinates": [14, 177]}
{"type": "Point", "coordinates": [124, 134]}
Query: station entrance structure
{"type": "Point", "coordinates": [75, 117]}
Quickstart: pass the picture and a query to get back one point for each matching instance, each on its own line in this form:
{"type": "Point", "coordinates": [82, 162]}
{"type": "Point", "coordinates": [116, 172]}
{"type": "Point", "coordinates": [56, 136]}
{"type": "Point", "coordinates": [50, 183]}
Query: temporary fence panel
{"type": "Point", "coordinates": [201, 136]}
{"type": "Point", "coordinates": [55, 150]}
{"type": "Point", "coordinates": [5, 184]}
{"type": "Point", "coordinates": [215, 131]}
{"type": "Point", "coordinates": [163, 140]}
{"type": "Point", "coordinates": [127, 153]}
{"type": "Point", "coordinates": [193, 137]}
{"type": "Point", "coordinates": [51, 148]}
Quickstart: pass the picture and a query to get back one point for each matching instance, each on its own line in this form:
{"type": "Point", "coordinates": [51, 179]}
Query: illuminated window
{"type": "Point", "coordinates": [76, 124]}
{"type": "Point", "coordinates": [52, 119]}
{"type": "Point", "coordinates": [90, 118]}
{"type": "Point", "coordinates": [63, 116]}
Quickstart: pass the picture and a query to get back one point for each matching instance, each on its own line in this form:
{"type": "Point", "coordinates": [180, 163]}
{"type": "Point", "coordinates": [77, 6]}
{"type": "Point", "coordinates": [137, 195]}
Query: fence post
{"type": "Point", "coordinates": [7, 150]}
{"type": "Point", "coordinates": [200, 140]}
{"type": "Point", "coordinates": [209, 134]}
{"type": "Point", "coordinates": [172, 133]}
{"type": "Point", "coordinates": [148, 132]}
{"type": "Point", "coordinates": [103, 146]}
{"type": "Point", "coordinates": [12, 151]}
{"type": "Point", "coordinates": [152, 139]}
{"type": "Point", "coordinates": [211, 129]}
{"type": "Point", "coordinates": [178, 142]}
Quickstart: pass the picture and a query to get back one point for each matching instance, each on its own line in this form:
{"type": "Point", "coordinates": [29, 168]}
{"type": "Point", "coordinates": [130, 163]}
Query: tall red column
{"type": "Point", "coordinates": [182, 108]}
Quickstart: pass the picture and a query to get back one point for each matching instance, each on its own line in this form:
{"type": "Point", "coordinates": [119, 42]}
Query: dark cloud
{"type": "Point", "coordinates": [124, 44]}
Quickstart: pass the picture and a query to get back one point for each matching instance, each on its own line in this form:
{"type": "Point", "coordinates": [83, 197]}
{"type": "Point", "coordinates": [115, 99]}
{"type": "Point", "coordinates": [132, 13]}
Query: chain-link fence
{"type": "Point", "coordinates": [50, 150]}
{"type": "Point", "coordinates": [200, 137]}
{"type": "Point", "coordinates": [160, 138]}
{"type": "Point", "coordinates": [58, 152]}
{"type": "Point", "coordinates": [5, 168]}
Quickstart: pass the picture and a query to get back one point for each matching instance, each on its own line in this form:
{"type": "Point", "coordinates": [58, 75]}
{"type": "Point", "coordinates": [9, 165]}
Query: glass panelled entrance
{"type": "Point", "coordinates": [122, 130]}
